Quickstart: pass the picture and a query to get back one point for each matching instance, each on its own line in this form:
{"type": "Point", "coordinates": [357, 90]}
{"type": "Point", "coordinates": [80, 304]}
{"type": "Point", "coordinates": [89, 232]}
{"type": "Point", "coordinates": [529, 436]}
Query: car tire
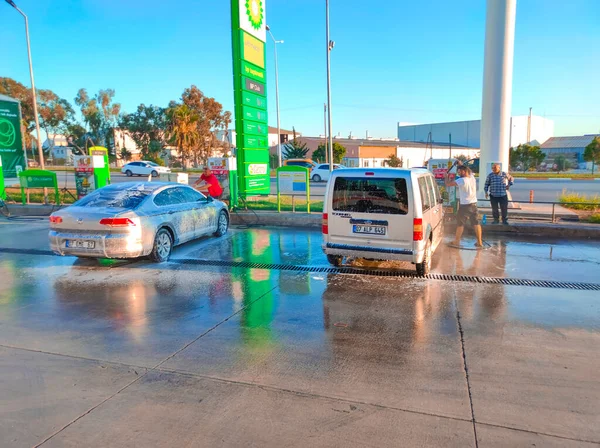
{"type": "Point", "coordinates": [424, 267]}
{"type": "Point", "coordinates": [316, 178]}
{"type": "Point", "coordinates": [222, 224]}
{"type": "Point", "coordinates": [128, 173]}
{"type": "Point", "coordinates": [163, 245]}
{"type": "Point", "coordinates": [334, 260]}
{"type": "Point", "coordinates": [154, 174]}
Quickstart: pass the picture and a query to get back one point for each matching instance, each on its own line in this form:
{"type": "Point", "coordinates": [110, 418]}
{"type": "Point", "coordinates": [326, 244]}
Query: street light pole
{"type": "Point", "coordinates": [330, 45]}
{"type": "Point", "coordinates": [33, 94]}
{"type": "Point", "coordinates": [275, 42]}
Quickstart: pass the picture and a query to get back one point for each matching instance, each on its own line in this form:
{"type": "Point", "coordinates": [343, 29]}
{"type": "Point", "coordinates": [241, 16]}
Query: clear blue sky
{"type": "Point", "coordinates": [394, 60]}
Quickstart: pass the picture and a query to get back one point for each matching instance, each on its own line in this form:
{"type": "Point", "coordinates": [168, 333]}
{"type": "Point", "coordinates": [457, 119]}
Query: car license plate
{"type": "Point", "coordinates": [80, 244]}
{"type": "Point", "coordinates": [375, 230]}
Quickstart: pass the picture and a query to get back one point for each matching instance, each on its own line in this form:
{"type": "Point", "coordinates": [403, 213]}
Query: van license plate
{"type": "Point", "coordinates": [376, 230]}
{"type": "Point", "coordinates": [80, 244]}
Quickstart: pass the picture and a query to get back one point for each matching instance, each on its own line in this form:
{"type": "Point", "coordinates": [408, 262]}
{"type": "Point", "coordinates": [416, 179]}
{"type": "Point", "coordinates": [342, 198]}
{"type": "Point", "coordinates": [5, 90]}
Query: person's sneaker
{"type": "Point", "coordinates": [496, 221]}
{"type": "Point", "coordinates": [505, 223]}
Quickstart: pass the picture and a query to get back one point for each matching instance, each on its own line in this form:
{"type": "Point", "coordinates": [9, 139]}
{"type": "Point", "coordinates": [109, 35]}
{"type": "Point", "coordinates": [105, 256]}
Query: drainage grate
{"type": "Point", "coordinates": [390, 273]}
{"type": "Point", "coordinates": [357, 271]}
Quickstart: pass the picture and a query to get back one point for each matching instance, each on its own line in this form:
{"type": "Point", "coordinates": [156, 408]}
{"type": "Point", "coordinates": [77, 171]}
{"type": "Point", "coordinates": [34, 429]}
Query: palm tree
{"type": "Point", "coordinates": [182, 130]}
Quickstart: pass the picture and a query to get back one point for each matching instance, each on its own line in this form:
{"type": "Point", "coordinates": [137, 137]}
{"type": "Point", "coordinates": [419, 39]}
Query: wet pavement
{"type": "Point", "coordinates": [182, 354]}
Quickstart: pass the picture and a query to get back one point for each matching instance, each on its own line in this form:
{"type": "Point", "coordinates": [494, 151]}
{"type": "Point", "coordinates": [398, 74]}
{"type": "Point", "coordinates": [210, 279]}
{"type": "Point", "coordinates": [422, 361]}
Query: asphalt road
{"type": "Point", "coordinates": [544, 190]}
{"type": "Point", "coordinates": [191, 353]}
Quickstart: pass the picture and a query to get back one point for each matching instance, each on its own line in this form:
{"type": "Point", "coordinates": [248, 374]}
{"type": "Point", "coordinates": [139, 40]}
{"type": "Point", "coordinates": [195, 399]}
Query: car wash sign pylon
{"type": "Point", "coordinates": [248, 28]}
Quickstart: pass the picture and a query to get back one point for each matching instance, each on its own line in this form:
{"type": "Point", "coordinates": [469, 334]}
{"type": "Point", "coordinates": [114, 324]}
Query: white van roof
{"type": "Point", "coordinates": [380, 172]}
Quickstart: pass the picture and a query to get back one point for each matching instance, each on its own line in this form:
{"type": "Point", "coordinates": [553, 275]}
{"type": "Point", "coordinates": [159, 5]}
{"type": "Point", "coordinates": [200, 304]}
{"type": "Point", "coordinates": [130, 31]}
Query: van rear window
{"type": "Point", "coordinates": [370, 195]}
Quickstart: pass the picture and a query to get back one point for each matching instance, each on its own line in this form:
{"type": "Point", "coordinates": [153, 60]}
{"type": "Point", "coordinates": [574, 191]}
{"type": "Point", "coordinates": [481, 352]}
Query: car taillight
{"type": "Point", "coordinates": [369, 173]}
{"type": "Point", "coordinates": [325, 227]}
{"type": "Point", "coordinates": [117, 222]}
{"type": "Point", "coordinates": [55, 219]}
{"type": "Point", "coordinates": [417, 229]}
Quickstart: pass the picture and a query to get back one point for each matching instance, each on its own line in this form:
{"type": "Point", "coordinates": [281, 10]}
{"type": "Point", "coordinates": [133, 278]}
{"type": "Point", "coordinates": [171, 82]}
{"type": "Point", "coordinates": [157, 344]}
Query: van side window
{"type": "Point", "coordinates": [424, 189]}
{"type": "Point", "coordinates": [433, 191]}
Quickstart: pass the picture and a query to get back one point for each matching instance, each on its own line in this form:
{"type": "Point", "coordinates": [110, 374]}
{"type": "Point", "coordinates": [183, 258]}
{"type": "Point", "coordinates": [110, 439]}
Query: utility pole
{"type": "Point", "coordinates": [34, 95]}
{"type": "Point", "coordinates": [330, 45]}
{"type": "Point", "coordinates": [325, 134]}
{"type": "Point", "coordinates": [529, 126]}
{"type": "Point", "coordinates": [275, 42]}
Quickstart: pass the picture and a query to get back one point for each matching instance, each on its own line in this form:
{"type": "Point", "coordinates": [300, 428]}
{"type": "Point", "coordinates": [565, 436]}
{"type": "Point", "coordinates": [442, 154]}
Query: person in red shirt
{"type": "Point", "coordinates": [208, 183]}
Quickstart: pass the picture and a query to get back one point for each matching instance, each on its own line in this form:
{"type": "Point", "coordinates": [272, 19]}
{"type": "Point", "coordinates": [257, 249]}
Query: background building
{"type": "Point", "coordinates": [524, 129]}
{"type": "Point", "coordinates": [571, 147]}
{"type": "Point", "coordinates": [373, 153]}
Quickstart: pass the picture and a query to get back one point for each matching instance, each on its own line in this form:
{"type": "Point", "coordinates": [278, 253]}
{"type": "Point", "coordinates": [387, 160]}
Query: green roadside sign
{"type": "Point", "coordinates": [248, 28]}
{"type": "Point", "coordinates": [38, 179]}
{"type": "Point", "coordinates": [11, 140]}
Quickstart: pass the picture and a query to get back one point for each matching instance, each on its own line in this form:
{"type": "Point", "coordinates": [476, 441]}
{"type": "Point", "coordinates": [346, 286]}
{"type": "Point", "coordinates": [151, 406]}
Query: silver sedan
{"type": "Point", "coordinates": [136, 219]}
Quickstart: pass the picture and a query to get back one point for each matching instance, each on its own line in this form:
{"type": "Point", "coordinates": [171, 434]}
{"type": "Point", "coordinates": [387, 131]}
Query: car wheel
{"type": "Point", "coordinates": [128, 173]}
{"type": "Point", "coordinates": [163, 245]}
{"type": "Point", "coordinates": [424, 267]}
{"type": "Point", "coordinates": [334, 260]}
{"type": "Point", "coordinates": [154, 174]}
{"type": "Point", "coordinates": [316, 178]}
{"type": "Point", "coordinates": [222, 224]}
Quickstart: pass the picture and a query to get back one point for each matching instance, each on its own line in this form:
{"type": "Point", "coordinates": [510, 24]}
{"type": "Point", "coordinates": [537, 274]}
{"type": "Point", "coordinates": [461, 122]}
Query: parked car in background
{"type": "Point", "coordinates": [383, 214]}
{"type": "Point", "coordinates": [33, 163]}
{"type": "Point", "coordinates": [143, 168]}
{"type": "Point", "coordinates": [306, 163]}
{"type": "Point", "coordinates": [321, 172]}
{"type": "Point", "coordinates": [136, 219]}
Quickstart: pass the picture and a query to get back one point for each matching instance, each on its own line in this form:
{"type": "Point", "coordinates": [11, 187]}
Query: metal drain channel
{"type": "Point", "coordinates": [389, 273]}
{"type": "Point", "coordinates": [355, 271]}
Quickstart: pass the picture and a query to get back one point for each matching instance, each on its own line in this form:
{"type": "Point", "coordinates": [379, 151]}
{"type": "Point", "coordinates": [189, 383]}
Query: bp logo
{"type": "Point", "coordinates": [7, 133]}
{"type": "Point", "coordinates": [255, 12]}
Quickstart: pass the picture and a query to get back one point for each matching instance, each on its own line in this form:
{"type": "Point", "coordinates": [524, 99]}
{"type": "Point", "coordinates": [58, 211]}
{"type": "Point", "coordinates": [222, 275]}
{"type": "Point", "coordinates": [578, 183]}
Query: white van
{"type": "Point", "coordinates": [383, 214]}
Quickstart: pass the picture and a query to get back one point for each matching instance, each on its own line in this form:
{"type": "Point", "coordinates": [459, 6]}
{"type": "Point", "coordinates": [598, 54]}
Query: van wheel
{"type": "Point", "coordinates": [316, 178]}
{"type": "Point", "coordinates": [334, 260]}
{"type": "Point", "coordinates": [163, 245]}
{"type": "Point", "coordinates": [424, 267]}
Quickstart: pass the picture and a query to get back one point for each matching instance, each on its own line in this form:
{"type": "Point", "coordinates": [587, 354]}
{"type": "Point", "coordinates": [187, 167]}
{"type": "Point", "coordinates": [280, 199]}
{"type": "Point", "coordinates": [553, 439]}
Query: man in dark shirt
{"type": "Point", "coordinates": [208, 183]}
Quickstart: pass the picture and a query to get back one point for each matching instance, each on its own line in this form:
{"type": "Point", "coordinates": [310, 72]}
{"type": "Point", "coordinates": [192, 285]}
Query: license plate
{"type": "Point", "coordinates": [375, 230]}
{"type": "Point", "coordinates": [80, 244]}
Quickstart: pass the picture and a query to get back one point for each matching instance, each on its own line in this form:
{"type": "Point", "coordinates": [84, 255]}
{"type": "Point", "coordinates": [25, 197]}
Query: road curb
{"type": "Point", "coordinates": [313, 221]}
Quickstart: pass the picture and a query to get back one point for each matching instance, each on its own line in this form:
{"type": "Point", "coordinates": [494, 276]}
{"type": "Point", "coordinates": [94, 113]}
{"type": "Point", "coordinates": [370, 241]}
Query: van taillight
{"type": "Point", "coordinates": [417, 229]}
{"type": "Point", "coordinates": [325, 227]}
{"type": "Point", "coordinates": [117, 222]}
{"type": "Point", "coordinates": [55, 219]}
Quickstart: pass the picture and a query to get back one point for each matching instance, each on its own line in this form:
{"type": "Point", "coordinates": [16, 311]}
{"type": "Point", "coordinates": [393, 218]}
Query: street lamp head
{"type": "Point", "coordinates": [278, 41]}
{"type": "Point", "coordinates": [11, 3]}
{"type": "Point", "coordinates": [268, 28]}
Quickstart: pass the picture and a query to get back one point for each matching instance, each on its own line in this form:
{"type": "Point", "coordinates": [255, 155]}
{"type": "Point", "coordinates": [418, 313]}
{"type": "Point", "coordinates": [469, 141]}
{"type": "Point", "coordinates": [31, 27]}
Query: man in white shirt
{"type": "Point", "coordinates": [467, 211]}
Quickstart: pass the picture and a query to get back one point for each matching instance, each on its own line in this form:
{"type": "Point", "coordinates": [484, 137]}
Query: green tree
{"type": "Point", "coordinates": [56, 114]}
{"type": "Point", "coordinates": [394, 161]}
{"type": "Point", "coordinates": [592, 152]}
{"type": "Point", "coordinates": [147, 126]}
{"type": "Point", "coordinates": [526, 156]}
{"type": "Point", "coordinates": [562, 163]}
{"type": "Point", "coordinates": [295, 150]}
{"type": "Point", "coordinates": [125, 154]}
{"type": "Point", "coordinates": [339, 152]}
{"type": "Point", "coordinates": [182, 131]}
{"type": "Point", "coordinates": [100, 114]}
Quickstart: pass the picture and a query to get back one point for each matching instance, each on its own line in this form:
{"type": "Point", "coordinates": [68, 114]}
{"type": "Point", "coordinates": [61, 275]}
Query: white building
{"type": "Point", "coordinates": [524, 129]}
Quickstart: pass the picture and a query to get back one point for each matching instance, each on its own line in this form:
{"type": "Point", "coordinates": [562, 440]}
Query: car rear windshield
{"type": "Point", "coordinates": [370, 195]}
{"type": "Point", "coordinates": [128, 198]}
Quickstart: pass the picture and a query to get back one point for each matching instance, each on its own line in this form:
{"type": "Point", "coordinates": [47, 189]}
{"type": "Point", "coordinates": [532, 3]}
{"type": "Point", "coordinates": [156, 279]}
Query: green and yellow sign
{"type": "Point", "coordinates": [11, 142]}
{"type": "Point", "coordinates": [248, 27]}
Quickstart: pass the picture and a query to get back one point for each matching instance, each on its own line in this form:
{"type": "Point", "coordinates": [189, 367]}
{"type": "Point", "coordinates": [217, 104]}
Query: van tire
{"type": "Point", "coordinates": [334, 260]}
{"type": "Point", "coordinates": [424, 267]}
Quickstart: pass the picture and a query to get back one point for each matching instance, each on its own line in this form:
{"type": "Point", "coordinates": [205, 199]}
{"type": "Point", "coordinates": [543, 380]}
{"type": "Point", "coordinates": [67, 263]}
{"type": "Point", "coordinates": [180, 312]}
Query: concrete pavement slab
{"type": "Point", "coordinates": [134, 313]}
{"type": "Point", "coordinates": [392, 342]}
{"type": "Point", "coordinates": [492, 436]}
{"type": "Point", "coordinates": [42, 393]}
{"type": "Point", "coordinates": [532, 358]}
{"type": "Point", "coordinates": [172, 410]}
